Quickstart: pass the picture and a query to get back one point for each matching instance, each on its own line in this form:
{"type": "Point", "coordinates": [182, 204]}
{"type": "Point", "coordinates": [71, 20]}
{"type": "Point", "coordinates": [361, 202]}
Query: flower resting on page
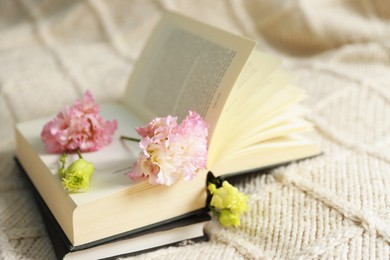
{"type": "Point", "coordinates": [77, 176]}
{"type": "Point", "coordinates": [227, 203]}
{"type": "Point", "coordinates": [78, 127]}
{"type": "Point", "coordinates": [171, 151]}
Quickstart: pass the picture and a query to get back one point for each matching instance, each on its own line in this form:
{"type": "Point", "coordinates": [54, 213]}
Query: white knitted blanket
{"type": "Point", "coordinates": [336, 205]}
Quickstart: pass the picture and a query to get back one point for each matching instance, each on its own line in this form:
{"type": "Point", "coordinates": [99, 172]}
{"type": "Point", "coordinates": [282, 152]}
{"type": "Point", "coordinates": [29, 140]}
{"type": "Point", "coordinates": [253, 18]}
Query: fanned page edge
{"type": "Point", "coordinates": [227, 159]}
{"type": "Point", "coordinates": [274, 152]}
{"type": "Point", "coordinates": [263, 79]}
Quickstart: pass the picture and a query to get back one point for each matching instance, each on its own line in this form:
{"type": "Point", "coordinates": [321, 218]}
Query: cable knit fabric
{"type": "Point", "coordinates": [334, 206]}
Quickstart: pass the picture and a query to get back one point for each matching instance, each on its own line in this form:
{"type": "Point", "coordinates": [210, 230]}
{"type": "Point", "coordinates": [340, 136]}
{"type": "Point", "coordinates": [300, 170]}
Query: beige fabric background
{"type": "Point", "coordinates": [333, 206]}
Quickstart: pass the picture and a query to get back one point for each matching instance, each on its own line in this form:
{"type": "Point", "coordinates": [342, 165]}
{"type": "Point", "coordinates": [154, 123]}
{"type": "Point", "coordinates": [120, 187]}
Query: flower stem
{"type": "Point", "coordinates": [61, 170]}
{"type": "Point", "coordinates": [130, 138]}
{"type": "Point", "coordinates": [79, 153]}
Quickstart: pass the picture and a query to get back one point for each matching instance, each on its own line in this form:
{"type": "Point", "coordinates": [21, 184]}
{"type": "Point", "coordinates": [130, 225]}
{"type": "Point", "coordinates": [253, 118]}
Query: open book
{"type": "Point", "coordinates": [249, 103]}
{"type": "Point", "coordinates": [251, 108]}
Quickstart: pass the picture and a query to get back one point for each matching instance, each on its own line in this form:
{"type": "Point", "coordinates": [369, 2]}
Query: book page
{"type": "Point", "coordinates": [290, 119]}
{"type": "Point", "coordinates": [186, 65]}
{"type": "Point", "coordinates": [246, 102]}
{"type": "Point", "coordinates": [268, 153]}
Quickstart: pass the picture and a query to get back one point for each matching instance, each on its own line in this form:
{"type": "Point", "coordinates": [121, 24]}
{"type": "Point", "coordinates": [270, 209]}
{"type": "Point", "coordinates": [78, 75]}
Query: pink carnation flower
{"type": "Point", "coordinates": [171, 151]}
{"type": "Point", "coordinates": [78, 127]}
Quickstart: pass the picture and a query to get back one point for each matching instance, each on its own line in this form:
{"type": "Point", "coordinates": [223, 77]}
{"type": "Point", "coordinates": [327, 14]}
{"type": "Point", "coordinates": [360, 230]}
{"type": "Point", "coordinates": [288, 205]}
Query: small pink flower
{"type": "Point", "coordinates": [78, 127]}
{"type": "Point", "coordinates": [171, 151]}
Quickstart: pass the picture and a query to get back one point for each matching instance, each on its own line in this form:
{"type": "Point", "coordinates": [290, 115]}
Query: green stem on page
{"type": "Point", "coordinates": [130, 138]}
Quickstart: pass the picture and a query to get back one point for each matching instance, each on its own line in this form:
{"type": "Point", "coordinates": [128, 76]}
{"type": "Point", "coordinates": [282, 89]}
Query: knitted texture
{"type": "Point", "coordinates": [336, 205]}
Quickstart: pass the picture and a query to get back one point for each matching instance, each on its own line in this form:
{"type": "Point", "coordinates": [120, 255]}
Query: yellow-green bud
{"type": "Point", "coordinates": [228, 203]}
{"type": "Point", "coordinates": [78, 175]}
{"type": "Point", "coordinates": [229, 197]}
{"type": "Point", "coordinates": [227, 218]}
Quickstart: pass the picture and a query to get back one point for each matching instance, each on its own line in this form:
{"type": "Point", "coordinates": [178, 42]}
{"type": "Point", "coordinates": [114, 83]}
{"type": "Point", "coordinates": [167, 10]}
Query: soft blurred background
{"type": "Point", "coordinates": [333, 206]}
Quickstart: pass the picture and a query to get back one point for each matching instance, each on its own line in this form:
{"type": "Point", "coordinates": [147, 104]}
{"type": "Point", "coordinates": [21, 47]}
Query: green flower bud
{"type": "Point", "coordinates": [78, 175]}
{"type": "Point", "coordinates": [227, 218]}
{"type": "Point", "coordinates": [229, 197]}
{"type": "Point", "coordinates": [212, 188]}
{"type": "Point", "coordinates": [227, 203]}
